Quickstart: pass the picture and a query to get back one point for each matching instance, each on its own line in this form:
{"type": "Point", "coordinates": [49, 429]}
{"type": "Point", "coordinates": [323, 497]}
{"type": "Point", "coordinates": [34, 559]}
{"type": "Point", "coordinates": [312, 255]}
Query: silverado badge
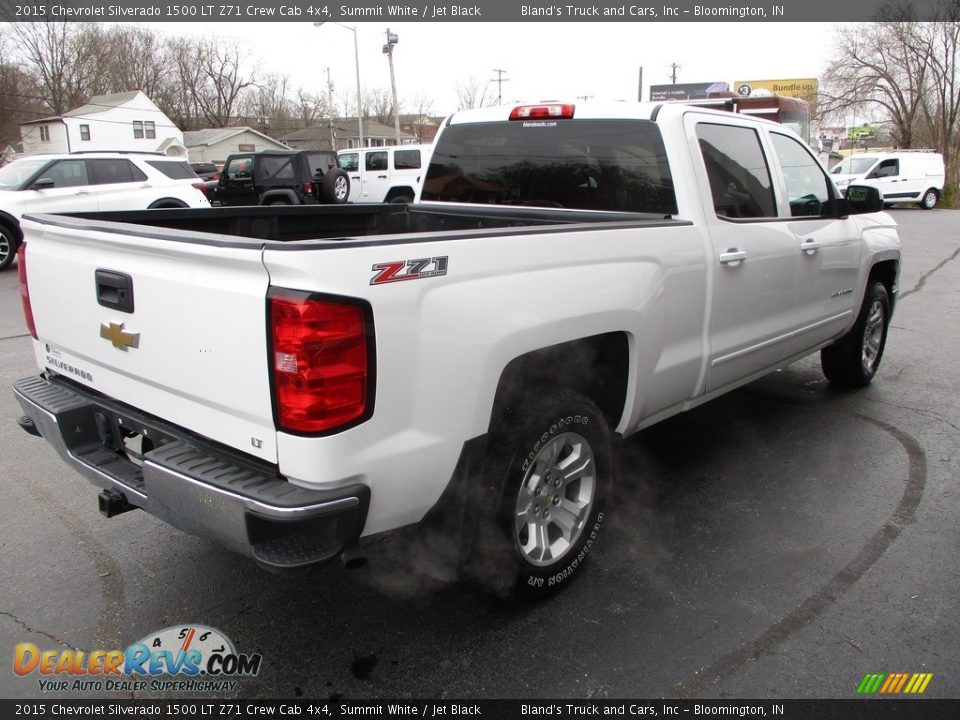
{"type": "Point", "coordinates": [121, 339]}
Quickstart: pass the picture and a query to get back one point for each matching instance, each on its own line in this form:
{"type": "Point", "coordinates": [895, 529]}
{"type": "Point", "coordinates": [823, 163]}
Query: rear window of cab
{"type": "Point", "coordinates": [612, 165]}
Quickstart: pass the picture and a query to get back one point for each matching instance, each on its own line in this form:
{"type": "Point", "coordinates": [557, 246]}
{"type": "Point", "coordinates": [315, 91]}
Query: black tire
{"type": "Point", "coordinates": [853, 360]}
{"type": "Point", "coordinates": [929, 199]}
{"type": "Point", "coordinates": [335, 188]}
{"type": "Point", "coordinates": [516, 547]}
{"type": "Point", "coordinates": [8, 246]}
{"type": "Point", "coordinates": [401, 198]}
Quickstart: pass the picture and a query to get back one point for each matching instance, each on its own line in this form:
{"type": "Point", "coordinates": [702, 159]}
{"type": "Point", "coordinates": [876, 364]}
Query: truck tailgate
{"type": "Point", "coordinates": [176, 329]}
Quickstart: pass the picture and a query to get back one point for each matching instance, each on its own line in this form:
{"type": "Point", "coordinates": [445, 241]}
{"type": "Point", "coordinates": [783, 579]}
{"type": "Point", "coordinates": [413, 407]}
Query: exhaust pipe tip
{"type": "Point", "coordinates": [28, 425]}
{"type": "Point", "coordinates": [353, 558]}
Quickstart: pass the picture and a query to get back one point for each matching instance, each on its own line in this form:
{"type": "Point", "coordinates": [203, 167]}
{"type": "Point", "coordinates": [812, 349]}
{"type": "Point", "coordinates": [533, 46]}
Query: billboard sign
{"type": "Point", "coordinates": [687, 91]}
{"type": "Point", "coordinates": [804, 88]}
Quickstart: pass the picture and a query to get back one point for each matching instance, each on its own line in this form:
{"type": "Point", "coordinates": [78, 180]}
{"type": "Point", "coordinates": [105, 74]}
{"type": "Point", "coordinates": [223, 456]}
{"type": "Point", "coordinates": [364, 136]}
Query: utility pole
{"type": "Point", "coordinates": [499, 80]}
{"type": "Point", "coordinates": [673, 72]}
{"type": "Point", "coordinates": [392, 40]}
{"type": "Point", "coordinates": [640, 85]}
{"type": "Point", "coordinates": [333, 140]}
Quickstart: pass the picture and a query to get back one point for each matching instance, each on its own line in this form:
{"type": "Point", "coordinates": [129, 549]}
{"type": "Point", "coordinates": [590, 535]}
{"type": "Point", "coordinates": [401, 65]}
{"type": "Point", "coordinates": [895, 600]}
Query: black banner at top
{"type": "Point", "coordinates": [358, 11]}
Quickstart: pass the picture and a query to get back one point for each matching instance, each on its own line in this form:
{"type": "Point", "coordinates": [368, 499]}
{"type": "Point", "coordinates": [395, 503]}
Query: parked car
{"type": "Point", "coordinates": [903, 176]}
{"type": "Point", "coordinates": [281, 177]}
{"type": "Point", "coordinates": [385, 174]}
{"type": "Point", "coordinates": [83, 182]}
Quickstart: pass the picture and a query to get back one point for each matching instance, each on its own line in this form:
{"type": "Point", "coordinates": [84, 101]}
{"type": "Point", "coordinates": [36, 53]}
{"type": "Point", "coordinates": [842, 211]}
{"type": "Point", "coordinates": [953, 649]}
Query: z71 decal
{"type": "Point", "coordinates": [400, 270]}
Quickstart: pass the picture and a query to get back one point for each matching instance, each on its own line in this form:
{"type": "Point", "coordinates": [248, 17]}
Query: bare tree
{"type": "Point", "coordinates": [66, 59]}
{"type": "Point", "coordinates": [941, 101]}
{"type": "Point", "coordinates": [20, 97]}
{"type": "Point", "coordinates": [471, 93]}
{"type": "Point", "coordinates": [877, 66]}
{"type": "Point", "coordinates": [422, 107]}
{"type": "Point", "coordinates": [905, 73]}
{"type": "Point", "coordinates": [308, 109]}
{"type": "Point", "coordinates": [268, 106]}
{"type": "Point", "coordinates": [137, 59]}
{"type": "Point", "coordinates": [378, 104]}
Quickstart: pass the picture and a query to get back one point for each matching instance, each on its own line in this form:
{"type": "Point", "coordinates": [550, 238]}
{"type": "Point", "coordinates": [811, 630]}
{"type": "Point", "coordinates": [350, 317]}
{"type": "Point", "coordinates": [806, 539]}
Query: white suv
{"type": "Point", "coordinates": [389, 174]}
{"type": "Point", "coordinates": [86, 182]}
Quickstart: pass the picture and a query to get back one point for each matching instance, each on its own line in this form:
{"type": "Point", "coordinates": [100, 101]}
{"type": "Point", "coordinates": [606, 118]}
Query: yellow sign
{"type": "Point", "coordinates": [805, 88]}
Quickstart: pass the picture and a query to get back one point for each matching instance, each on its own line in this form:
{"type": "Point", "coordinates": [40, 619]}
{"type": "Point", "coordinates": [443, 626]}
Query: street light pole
{"type": "Point", "coordinates": [356, 60]}
{"type": "Point", "coordinates": [392, 40]}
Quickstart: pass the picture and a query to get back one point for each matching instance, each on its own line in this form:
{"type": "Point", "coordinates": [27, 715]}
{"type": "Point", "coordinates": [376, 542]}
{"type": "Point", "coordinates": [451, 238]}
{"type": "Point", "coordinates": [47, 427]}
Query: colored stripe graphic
{"type": "Point", "coordinates": [894, 683]}
{"type": "Point", "coordinates": [870, 683]}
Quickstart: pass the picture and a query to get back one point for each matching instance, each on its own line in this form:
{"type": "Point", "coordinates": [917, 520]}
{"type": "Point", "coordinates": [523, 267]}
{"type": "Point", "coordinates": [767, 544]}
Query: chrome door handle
{"type": "Point", "coordinates": [732, 257]}
{"type": "Point", "coordinates": [810, 247]}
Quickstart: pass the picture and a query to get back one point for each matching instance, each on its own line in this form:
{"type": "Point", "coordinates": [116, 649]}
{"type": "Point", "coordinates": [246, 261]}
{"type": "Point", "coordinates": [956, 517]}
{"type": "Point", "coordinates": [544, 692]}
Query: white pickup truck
{"type": "Point", "coordinates": [288, 381]}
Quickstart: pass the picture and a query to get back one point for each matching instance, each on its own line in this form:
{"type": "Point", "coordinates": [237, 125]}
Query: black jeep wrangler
{"type": "Point", "coordinates": [281, 177]}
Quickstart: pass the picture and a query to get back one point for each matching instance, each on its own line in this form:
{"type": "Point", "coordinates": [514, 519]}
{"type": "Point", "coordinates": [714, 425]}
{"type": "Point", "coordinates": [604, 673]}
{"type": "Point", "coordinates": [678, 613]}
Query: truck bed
{"type": "Point", "coordinates": [337, 222]}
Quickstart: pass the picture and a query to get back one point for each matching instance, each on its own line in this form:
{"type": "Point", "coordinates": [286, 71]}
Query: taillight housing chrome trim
{"type": "Point", "coordinates": [329, 344]}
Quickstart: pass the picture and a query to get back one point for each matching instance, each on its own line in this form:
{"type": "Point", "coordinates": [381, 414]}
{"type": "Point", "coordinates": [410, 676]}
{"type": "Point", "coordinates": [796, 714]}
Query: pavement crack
{"type": "Point", "coordinates": [918, 411]}
{"type": "Point", "coordinates": [34, 631]}
{"type": "Point", "coordinates": [925, 276]}
{"type": "Point", "coordinates": [848, 576]}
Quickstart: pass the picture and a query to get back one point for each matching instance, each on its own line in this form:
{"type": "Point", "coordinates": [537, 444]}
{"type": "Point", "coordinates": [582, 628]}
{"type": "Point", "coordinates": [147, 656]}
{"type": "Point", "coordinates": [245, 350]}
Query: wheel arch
{"type": "Point", "coordinates": [596, 366]}
{"type": "Point", "coordinates": [9, 221]}
{"type": "Point", "coordinates": [398, 191]}
{"type": "Point", "coordinates": [286, 195]}
{"type": "Point", "coordinates": [886, 272]}
{"type": "Point", "coordinates": [167, 202]}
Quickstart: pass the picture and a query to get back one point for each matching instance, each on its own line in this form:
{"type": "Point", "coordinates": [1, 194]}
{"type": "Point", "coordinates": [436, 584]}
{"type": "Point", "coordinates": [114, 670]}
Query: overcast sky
{"type": "Point", "coordinates": [542, 60]}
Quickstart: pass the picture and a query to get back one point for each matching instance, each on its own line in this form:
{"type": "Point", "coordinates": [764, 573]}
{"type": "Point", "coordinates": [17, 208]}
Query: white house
{"type": "Point", "coordinates": [122, 121]}
{"type": "Point", "coordinates": [215, 144]}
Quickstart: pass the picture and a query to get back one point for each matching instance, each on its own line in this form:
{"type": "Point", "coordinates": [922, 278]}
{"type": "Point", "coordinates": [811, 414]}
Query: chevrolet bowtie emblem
{"type": "Point", "coordinates": [120, 338]}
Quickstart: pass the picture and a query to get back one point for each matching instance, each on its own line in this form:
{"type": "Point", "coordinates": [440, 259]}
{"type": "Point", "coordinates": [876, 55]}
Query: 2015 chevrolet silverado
{"type": "Point", "coordinates": [288, 381]}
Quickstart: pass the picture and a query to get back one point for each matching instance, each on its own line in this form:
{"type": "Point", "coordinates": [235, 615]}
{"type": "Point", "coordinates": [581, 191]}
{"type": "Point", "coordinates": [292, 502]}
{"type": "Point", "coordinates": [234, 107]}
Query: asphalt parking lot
{"type": "Point", "coordinates": [781, 541]}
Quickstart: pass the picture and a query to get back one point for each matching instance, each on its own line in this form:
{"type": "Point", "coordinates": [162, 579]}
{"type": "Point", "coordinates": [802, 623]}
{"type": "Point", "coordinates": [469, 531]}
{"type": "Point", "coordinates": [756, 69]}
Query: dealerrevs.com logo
{"type": "Point", "coordinates": [180, 658]}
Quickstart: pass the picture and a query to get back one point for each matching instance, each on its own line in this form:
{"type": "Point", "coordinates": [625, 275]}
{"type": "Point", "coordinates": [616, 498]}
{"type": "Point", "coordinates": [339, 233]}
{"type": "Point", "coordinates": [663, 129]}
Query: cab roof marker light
{"type": "Point", "coordinates": [543, 111]}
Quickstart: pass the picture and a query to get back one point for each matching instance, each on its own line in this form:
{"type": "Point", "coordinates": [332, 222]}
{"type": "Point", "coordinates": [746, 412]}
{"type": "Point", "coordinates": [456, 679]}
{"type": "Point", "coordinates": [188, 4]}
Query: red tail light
{"type": "Point", "coordinates": [308, 188]}
{"type": "Point", "coordinates": [546, 111]}
{"type": "Point", "coordinates": [322, 359]}
{"type": "Point", "coordinates": [24, 290]}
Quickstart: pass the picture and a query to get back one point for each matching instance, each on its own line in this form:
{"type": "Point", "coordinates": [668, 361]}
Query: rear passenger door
{"type": "Point", "coordinates": [755, 253]}
{"type": "Point", "coordinates": [119, 184]}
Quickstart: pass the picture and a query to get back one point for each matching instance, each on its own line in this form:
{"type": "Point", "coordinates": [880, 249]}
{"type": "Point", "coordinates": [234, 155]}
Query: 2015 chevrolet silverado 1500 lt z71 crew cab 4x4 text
{"type": "Point", "coordinates": [288, 381]}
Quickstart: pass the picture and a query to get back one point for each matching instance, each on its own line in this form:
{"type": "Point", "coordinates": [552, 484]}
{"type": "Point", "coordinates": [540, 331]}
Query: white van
{"type": "Point", "coordinates": [903, 176]}
{"type": "Point", "coordinates": [385, 174]}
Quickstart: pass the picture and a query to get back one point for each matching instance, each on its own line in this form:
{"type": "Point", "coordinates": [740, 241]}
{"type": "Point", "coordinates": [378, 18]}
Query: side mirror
{"type": "Point", "coordinates": [43, 184]}
{"type": "Point", "coordinates": [864, 199]}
